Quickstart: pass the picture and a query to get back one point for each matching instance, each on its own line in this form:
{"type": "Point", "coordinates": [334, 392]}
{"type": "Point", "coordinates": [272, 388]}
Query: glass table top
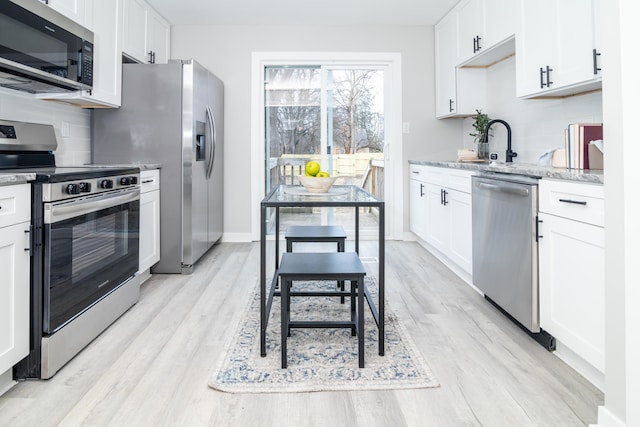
{"type": "Point", "coordinates": [338, 195]}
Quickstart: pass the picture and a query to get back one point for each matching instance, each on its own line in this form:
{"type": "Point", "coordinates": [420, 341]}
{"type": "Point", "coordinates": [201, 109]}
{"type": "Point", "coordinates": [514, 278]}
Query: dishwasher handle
{"type": "Point", "coordinates": [518, 191]}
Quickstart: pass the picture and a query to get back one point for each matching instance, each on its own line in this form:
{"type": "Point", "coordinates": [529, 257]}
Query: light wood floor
{"type": "Point", "coordinates": [151, 367]}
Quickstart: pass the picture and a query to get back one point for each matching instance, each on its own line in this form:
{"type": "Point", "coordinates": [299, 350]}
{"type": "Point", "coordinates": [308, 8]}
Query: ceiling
{"type": "Point", "coordinates": [302, 12]}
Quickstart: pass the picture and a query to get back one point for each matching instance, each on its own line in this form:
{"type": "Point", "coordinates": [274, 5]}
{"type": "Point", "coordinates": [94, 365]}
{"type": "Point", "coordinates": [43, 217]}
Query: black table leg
{"type": "Point", "coordinates": [381, 280]}
{"type": "Point", "coordinates": [263, 279]}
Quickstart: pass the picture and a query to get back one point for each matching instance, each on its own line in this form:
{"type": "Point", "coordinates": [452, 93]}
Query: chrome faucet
{"type": "Point", "coordinates": [510, 153]}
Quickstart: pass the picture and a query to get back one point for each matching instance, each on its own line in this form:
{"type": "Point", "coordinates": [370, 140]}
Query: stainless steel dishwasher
{"type": "Point", "coordinates": [505, 247]}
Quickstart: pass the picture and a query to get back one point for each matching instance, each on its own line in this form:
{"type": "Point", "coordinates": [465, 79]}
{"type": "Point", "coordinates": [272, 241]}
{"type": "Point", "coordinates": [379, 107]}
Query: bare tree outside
{"type": "Point", "coordinates": [293, 104]}
{"type": "Point", "coordinates": [357, 125]}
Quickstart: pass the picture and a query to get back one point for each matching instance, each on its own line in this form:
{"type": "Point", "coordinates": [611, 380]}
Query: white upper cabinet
{"type": "Point", "coordinates": [158, 33]}
{"type": "Point", "coordinates": [446, 60]}
{"type": "Point", "coordinates": [556, 48]}
{"type": "Point", "coordinates": [145, 33]}
{"type": "Point", "coordinates": [471, 29]}
{"type": "Point", "coordinates": [482, 26]}
{"type": "Point", "coordinates": [459, 92]}
{"type": "Point", "coordinates": [104, 17]}
{"type": "Point", "coordinates": [500, 21]}
{"type": "Point", "coordinates": [72, 9]}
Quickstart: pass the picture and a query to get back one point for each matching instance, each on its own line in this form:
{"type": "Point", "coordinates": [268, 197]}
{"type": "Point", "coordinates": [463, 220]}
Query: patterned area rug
{"type": "Point", "coordinates": [318, 359]}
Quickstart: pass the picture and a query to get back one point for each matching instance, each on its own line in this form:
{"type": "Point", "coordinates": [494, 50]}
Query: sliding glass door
{"type": "Point", "coordinates": [333, 115]}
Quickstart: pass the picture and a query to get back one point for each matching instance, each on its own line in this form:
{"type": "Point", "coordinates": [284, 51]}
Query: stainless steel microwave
{"type": "Point", "coordinates": [43, 51]}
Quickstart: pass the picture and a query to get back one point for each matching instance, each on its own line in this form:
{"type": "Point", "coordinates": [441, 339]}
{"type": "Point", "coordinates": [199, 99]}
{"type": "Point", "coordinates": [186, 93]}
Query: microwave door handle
{"type": "Point", "coordinates": [212, 128]}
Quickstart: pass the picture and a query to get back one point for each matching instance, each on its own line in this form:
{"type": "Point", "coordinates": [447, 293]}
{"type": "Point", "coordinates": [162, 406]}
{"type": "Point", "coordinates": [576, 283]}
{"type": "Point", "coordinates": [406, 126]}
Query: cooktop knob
{"type": "Point", "coordinates": [106, 183]}
{"type": "Point", "coordinates": [125, 180]}
{"type": "Point", "coordinates": [72, 189]}
{"type": "Point", "coordinates": [85, 187]}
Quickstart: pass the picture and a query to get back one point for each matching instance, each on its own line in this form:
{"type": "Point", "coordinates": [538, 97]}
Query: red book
{"type": "Point", "coordinates": [588, 132]}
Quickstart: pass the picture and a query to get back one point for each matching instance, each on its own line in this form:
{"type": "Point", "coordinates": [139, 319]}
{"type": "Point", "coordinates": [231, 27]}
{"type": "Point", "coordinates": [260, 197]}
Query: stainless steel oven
{"type": "Point", "coordinates": [91, 247]}
{"type": "Point", "coordinates": [84, 246]}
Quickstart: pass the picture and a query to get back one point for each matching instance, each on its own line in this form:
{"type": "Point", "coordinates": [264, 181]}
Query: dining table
{"type": "Point", "coordinates": [295, 196]}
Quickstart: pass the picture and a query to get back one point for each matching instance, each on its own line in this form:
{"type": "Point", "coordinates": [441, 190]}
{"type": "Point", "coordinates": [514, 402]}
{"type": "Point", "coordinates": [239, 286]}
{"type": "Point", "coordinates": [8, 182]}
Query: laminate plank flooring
{"type": "Point", "coordinates": [151, 367]}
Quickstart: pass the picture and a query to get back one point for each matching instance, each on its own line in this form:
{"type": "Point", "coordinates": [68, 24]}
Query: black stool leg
{"type": "Point", "coordinates": [353, 308]}
{"type": "Point", "coordinates": [284, 320]}
{"type": "Point", "coordinates": [361, 322]}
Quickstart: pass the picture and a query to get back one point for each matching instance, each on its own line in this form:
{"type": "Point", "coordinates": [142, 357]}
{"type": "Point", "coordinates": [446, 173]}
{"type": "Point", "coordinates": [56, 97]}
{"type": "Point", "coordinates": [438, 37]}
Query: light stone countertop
{"type": "Point", "coordinates": [142, 166]}
{"type": "Point", "coordinates": [11, 178]}
{"type": "Point", "coordinates": [592, 176]}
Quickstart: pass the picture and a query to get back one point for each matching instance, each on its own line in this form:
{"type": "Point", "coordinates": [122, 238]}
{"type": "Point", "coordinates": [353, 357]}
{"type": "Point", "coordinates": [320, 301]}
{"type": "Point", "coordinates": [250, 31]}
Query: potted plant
{"type": "Point", "coordinates": [480, 122]}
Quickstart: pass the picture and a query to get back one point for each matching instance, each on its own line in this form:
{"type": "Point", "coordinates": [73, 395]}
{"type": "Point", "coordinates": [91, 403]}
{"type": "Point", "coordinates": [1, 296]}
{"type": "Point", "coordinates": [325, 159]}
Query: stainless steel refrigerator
{"type": "Point", "coordinates": [172, 114]}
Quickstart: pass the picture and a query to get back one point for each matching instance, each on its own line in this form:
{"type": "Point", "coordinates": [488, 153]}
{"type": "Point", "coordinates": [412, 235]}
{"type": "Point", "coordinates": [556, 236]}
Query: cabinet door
{"type": "Point", "coordinates": [72, 9]}
{"type": "Point", "coordinates": [500, 21]}
{"type": "Point", "coordinates": [107, 73]}
{"type": "Point", "coordinates": [149, 229]}
{"type": "Point", "coordinates": [446, 36]}
{"type": "Point", "coordinates": [471, 28]}
{"type": "Point", "coordinates": [417, 208]}
{"type": "Point", "coordinates": [437, 226]}
{"type": "Point", "coordinates": [558, 34]}
{"type": "Point", "coordinates": [572, 285]}
{"type": "Point", "coordinates": [574, 42]}
{"type": "Point", "coordinates": [536, 46]}
{"type": "Point", "coordinates": [14, 294]}
{"type": "Point", "coordinates": [158, 38]}
{"type": "Point", "coordinates": [134, 35]}
{"type": "Point", "coordinates": [460, 236]}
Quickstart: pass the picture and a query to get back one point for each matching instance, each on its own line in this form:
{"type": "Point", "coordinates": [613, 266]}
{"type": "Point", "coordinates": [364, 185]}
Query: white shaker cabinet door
{"type": "Point", "coordinates": [572, 285]}
{"type": "Point", "coordinates": [14, 294]}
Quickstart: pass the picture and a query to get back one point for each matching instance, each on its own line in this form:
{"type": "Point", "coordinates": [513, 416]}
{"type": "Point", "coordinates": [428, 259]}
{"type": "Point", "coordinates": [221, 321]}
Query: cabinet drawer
{"type": "Point", "coordinates": [15, 204]}
{"type": "Point", "coordinates": [418, 172]}
{"type": "Point", "coordinates": [460, 180]}
{"type": "Point", "coordinates": [149, 180]}
{"type": "Point", "coordinates": [578, 201]}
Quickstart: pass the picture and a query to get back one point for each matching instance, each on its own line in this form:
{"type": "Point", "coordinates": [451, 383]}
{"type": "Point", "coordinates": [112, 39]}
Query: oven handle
{"type": "Point", "coordinates": [59, 212]}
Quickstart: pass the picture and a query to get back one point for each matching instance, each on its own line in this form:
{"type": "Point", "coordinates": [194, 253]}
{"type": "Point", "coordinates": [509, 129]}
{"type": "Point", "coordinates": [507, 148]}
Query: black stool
{"type": "Point", "coordinates": [317, 234]}
{"type": "Point", "coordinates": [322, 266]}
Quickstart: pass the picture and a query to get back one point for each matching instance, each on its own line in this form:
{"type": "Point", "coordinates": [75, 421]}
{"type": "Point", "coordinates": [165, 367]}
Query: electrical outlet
{"type": "Point", "coordinates": [406, 127]}
{"type": "Point", "coordinates": [64, 129]}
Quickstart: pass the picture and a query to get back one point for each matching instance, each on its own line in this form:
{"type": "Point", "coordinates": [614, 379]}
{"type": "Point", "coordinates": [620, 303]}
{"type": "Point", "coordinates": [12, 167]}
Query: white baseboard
{"type": "Point", "coordinates": [236, 238]}
{"type": "Point", "coordinates": [6, 381]}
{"type": "Point", "coordinates": [607, 419]}
{"type": "Point", "coordinates": [584, 368]}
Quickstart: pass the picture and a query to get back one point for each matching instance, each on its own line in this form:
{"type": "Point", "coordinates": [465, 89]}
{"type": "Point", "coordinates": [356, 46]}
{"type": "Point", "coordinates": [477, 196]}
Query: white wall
{"type": "Point", "coordinates": [226, 51]}
{"type": "Point", "coordinates": [537, 124]}
{"type": "Point", "coordinates": [74, 149]}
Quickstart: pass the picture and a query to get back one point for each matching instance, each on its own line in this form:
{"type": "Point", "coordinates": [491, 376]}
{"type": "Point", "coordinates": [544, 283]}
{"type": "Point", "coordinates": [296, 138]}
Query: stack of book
{"type": "Point", "coordinates": [577, 137]}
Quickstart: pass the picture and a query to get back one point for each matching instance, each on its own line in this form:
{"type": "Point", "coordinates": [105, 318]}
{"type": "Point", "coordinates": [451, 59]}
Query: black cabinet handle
{"type": "Point", "coordinates": [444, 197]}
{"type": "Point", "coordinates": [476, 44]}
{"type": "Point", "coordinates": [451, 105]}
{"type": "Point", "coordinates": [545, 77]}
{"type": "Point", "coordinates": [573, 202]}
{"type": "Point", "coordinates": [595, 62]}
{"type": "Point", "coordinates": [421, 190]}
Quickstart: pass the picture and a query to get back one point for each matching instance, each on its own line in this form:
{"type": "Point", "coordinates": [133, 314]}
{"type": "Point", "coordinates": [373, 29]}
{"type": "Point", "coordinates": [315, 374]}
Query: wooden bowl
{"type": "Point", "coordinates": [317, 185]}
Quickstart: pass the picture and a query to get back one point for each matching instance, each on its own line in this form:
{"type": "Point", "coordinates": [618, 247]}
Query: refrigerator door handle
{"type": "Point", "coordinates": [212, 152]}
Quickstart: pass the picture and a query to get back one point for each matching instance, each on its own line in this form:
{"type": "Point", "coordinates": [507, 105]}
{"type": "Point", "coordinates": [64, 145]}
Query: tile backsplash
{"type": "Point", "coordinates": [537, 125]}
{"type": "Point", "coordinates": [72, 124]}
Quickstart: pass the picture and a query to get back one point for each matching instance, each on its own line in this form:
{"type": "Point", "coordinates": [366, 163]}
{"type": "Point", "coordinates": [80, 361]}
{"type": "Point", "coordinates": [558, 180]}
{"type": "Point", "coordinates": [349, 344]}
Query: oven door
{"type": "Point", "coordinates": [90, 248]}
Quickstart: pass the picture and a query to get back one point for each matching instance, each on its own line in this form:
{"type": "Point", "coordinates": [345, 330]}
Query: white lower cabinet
{"type": "Point", "coordinates": [571, 254]}
{"type": "Point", "coordinates": [14, 265]}
{"type": "Point", "coordinates": [149, 219]}
{"type": "Point", "coordinates": [442, 199]}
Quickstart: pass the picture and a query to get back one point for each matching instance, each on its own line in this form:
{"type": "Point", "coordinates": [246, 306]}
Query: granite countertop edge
{"type": "Point", "coordinates": [591, 176]}
{"type": "Point", "coordinates": [11, 178]}
{"type": "Point", "coordinates": [141, 166]}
